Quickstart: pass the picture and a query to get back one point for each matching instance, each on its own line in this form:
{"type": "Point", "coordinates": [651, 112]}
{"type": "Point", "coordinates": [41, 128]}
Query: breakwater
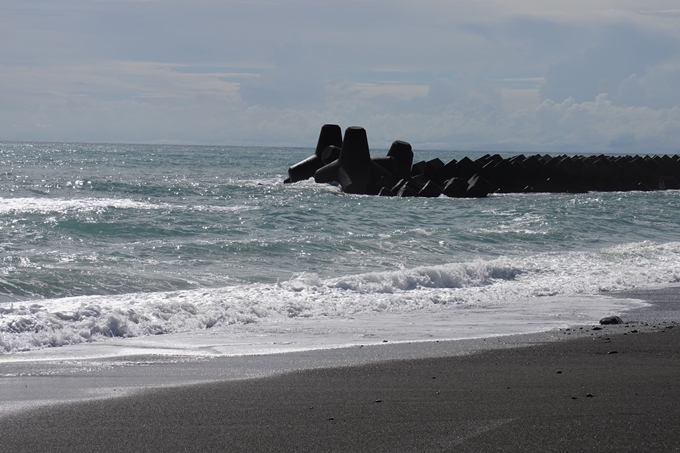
{"type": "Point", "coordinates": [347, 162]}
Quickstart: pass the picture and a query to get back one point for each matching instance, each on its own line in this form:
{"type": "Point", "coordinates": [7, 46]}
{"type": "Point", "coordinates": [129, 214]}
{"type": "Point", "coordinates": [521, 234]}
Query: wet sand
{"type": "Point", "coordinates": [615, 389]}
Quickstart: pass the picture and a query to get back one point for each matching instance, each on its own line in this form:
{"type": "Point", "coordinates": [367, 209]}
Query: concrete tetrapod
{"type": "Point", "coordinates": [354, 170]}
{"type": "Point", "coordinates": [398, 161]}
{"type": "Point", "coordinates": [402, 153]}
{"type": "Point", "coordinates": [330, 135]}
{"type": "Point", "coordinates": [351, 165]}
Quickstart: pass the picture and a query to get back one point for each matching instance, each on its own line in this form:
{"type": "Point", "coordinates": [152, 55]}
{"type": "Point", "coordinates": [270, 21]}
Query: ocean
{"type": "Point", "coordinates": [188, 251]}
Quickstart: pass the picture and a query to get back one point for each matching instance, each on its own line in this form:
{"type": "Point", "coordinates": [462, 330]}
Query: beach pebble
{"type": "Point", "coordinates": [611, 320]}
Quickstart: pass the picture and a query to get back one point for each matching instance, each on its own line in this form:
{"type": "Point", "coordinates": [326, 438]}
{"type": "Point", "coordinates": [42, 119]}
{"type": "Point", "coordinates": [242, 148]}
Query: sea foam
{"type": "Point", "coordinates": [540, 281]}
{"type": "Point", "coordinates": [51, 205]}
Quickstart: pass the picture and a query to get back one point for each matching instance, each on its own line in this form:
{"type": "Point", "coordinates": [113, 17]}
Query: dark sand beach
{"type": "Point", "coordinates": [615, 389]}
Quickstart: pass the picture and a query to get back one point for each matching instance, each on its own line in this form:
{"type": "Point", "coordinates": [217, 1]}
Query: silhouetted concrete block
{"type": "Point", "coordinates": [431, 190]}
{"type": "Point", "coordinates": [330, 154]}
{"type": "Point", "coordinates": [433, 171]}
{"type": "Point", "coordinates": [388, 163]}
{"type": "Point", "coordinates": [354, 170]}
{"type": "Point", "coordinates": [478, 187]}
{"type": "Point", "coordinates": [418, 168]}
{"type": "Point", "coordinates": [385, 192]}
{"type": "Point", "coordinates": [357, 172]}
{"type": "Point", "coordinates": [465, 168]}
{"type": "Point", "coordinates": [409, 189]}
{"type": "Point", "coordinates": [402, 153]}
{"type": "Point", "coordinates": [669, 183]}
{"type": "Point", "coordinates": [395, 189]}
{"type": "Point", "coordinates": [456, 188]}
{"type": "Point", "coordinates": [448, 171]}
{"type": "Point", "coordinates": [331, 134]}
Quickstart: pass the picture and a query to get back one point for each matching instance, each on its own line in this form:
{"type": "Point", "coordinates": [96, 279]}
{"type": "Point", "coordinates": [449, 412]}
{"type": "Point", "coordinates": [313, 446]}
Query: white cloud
{"type": "Point", "coordinates": [600, 126]}
{"type": "Point", "coordinates": [491, 74]}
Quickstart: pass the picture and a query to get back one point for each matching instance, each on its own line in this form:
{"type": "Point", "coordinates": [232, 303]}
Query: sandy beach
{"type": "Point", "coordinates": [611, 389]}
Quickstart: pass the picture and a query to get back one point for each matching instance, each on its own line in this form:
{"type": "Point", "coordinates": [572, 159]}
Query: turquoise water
{"type": "Point", "coordinates": [101, 240]}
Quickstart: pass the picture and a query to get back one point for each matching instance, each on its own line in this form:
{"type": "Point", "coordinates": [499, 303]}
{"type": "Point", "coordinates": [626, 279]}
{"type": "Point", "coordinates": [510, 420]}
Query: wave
{"type": "Point", "coordinates": [490, 284]}
{"type": "Point", "coordinates": [49, 205]}
{"type": "Point", "coordinates": [16, 206]}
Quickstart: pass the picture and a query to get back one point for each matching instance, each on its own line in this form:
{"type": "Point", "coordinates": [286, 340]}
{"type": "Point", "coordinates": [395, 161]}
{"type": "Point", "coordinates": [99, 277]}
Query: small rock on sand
{"type": "Point", "coordinates": [611, 320]}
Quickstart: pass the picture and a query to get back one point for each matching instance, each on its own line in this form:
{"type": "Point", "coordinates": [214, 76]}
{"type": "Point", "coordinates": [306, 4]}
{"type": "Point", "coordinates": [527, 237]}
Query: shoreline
{"type": "Point", "coordinates": [609, 392]}
{"type": "Point", "coordinates": [29, 385]}
{"type": "Point", "coordinates": [263, 402]}
{"type": "Point", "coordinates": [300, 334]}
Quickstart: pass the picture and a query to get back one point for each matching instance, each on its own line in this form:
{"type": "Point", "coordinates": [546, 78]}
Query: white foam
{"type": "Point", "coordinates": [61, 205]}
{"type": "Point", "coordinates": [49, 205]}
{"type": "Point", "coordinates": [323, 333]}
{"type": "Point", "coordinates": [523, 291]}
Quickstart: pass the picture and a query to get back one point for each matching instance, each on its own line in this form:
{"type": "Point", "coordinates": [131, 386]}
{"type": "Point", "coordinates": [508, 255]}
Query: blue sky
{"type": "Point", "coordinates": [531, 76]}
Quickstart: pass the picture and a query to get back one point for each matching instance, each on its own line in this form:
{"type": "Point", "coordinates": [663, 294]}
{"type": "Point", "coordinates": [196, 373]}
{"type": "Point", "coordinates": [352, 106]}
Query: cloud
{"type": "Point", "coordinates": [595, 75]}
{"type": "Point", "coordinates": [296, 81]}
{"type": "Point", "coordinates": [613, 55]}
{"type": "Point", "coordinates": [656, 87]}
{"type": "Point", "coordinates": [600, 126]}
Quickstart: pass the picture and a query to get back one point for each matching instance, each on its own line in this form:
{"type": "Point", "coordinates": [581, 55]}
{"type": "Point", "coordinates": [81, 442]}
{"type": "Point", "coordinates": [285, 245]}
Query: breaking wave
{"type": "Point", "coordinates": [492, 284]}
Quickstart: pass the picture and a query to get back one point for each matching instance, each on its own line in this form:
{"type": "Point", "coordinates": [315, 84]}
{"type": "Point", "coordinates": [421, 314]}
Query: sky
{"type": "Point", "coordinates": [542, 76]}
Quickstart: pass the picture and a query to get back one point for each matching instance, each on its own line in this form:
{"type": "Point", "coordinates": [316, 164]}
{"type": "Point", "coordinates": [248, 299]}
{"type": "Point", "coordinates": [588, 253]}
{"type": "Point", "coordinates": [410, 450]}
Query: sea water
{"type": "Point", "coordinates": [127, 249]}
